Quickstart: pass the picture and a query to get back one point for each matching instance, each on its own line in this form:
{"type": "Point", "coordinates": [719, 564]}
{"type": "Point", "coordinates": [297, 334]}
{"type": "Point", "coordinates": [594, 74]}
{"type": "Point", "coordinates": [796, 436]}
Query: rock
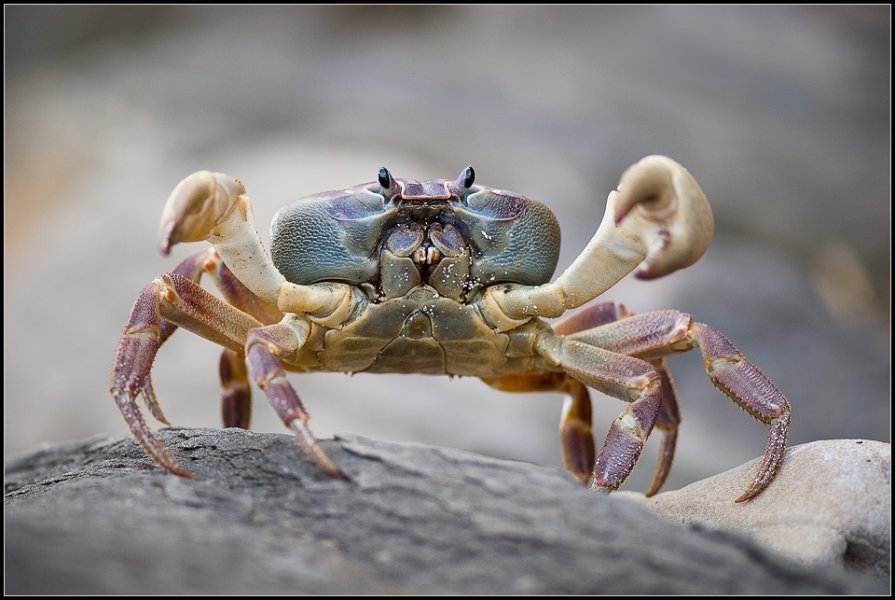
{"type": "Point", "coordinates": [96, 517]}
{"type": "Point", "coordinates": [830, 505]}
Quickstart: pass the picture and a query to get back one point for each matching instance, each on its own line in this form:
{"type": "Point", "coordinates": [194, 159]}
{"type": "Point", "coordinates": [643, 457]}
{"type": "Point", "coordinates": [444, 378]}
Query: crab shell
{"type": "Point", "coordinates": [338, 236]}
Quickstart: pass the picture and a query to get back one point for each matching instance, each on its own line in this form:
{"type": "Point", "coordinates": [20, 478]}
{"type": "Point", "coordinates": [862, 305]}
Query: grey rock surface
{"type": "Point", "coordinates": [831, 504]}
{"type": "Point", "coordinates": [97, 517]}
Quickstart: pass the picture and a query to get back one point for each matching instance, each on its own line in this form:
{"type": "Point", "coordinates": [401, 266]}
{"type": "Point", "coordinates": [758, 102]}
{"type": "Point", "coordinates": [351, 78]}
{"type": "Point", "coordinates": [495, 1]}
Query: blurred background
{"type": "Point", "coordinates": [781, 113]}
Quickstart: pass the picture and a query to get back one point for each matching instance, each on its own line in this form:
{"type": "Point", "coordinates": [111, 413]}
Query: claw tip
{"type": "Point", "coordinates": [165, 238]}
{"type": "Point", "coordinates": [621, 211]}
{"type": "Point", "coordinates": [645, 274]}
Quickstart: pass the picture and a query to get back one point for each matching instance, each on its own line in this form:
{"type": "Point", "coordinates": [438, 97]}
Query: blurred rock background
{"type": "Point", "coordinates": [781, 113]}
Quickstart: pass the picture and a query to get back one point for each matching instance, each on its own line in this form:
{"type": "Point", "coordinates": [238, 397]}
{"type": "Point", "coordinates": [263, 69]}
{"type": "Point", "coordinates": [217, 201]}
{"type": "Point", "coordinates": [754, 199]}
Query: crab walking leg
{"type": "Point", "coordinates": [575, 425]}
{"type": "Point", "coordinates": [265, 348]}
{"type": "Point", "coordinates": [236, 294]}
{"type": "Point", "coordinates": [236, 395]}
{"type": "Point", "coordinates": [746, 385]}
{"type": "Point", "coordinates": [236, 399]}
{"type": "Point", "coordinates": [659, 219]}
{"type": "Point", "coordinates": [653, 334]}
{"type": "Point", "coordinates": [209, 262]}
{"type": "Point", "coordinates": [182, 302]}
{"type": "Point", "coordinates": [667, 422]}
{"type": "Point", "coordinates": [669, 418]}
{"type": "Point", "coordinates": [192, 268]}
{"type": "Point", "coordinates": [623, 377]}
{"type": "Point", "coordinates": [592, 315]}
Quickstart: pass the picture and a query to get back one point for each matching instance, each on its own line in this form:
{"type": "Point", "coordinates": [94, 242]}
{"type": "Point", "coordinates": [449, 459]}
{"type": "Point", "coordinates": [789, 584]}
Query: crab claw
{"type": "Point", "coordinates": [198, 203]}
{"type": "Point", "coordinates": [673, 215]}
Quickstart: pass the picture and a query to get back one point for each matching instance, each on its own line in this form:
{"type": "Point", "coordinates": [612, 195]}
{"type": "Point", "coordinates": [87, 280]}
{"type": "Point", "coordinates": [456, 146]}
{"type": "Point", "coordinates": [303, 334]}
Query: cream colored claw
{"type": "Point", "coordinates": [215, 207]}
{"type": "Point", "coordinates": [675, 218]}
{"type": "Point", "coordinates": [659, 220]}
{"type": "Point", "coordinates": [198, 203]}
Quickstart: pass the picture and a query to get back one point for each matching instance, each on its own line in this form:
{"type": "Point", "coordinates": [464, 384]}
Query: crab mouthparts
{"type": "Point", "coordinates": [426, 255]}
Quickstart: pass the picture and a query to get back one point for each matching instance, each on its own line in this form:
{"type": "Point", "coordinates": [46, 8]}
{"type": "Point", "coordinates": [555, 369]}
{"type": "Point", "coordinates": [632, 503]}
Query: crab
{"type": "Point", "coordinates": [443, 277]}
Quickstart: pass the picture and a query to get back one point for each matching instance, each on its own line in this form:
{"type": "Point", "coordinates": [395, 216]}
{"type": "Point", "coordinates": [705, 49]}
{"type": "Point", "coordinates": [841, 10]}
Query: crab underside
{"type": "Point", "coordinates": [443, 277]}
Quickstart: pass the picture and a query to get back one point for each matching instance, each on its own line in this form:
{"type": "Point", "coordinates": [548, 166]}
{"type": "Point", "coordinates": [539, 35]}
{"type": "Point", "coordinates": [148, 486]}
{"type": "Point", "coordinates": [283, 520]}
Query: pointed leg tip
{"type": "Point", "coordinates": [309, 443]}
{"type": "Point", "coordinates": [749, 494]}
{"type": "Point", "coordinates": [600, 489]}
{"type": "Point", "coordinates": [656, 484]}
{"type": "Point", "coordinates": [340, 475]}
{"type": "Point", "coordinates": [163, 459]}
{"type": "Point", "coordinates": [325, 464]}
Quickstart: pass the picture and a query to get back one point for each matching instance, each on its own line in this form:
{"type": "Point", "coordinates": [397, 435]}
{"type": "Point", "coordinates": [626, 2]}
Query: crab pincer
{"type": "Point", "coordinates": [198, 204]}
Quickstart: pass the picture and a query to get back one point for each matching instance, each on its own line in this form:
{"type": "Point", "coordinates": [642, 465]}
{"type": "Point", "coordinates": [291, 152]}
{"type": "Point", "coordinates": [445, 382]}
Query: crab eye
{"type": "Point", "coordinates": [467, 177]}
{"type": "Point", "coordinates": [385, 178]}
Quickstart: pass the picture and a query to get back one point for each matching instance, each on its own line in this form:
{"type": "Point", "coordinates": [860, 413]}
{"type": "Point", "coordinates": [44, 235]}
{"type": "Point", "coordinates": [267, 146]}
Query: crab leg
{"type": "Point", "coordinates": [623, 377]}
{"type": "Point", "coordinates": [743, 383]}
{"type": "Point", "coordinates": [265, 348]}
{"type": "Point", "coordinates": [659, 219]}
{"type": "Point", "coordinates": [236, 400]}
{"type": "Point", "coordinates": [669, 417]}
{"type": "Point", "coordinates": [180, 301]}
{"type": "Point", "coordinates": [575, 425]}
{"type": "Point", "coordinates": [667, 421]}
{"type": "Point", "coordinates": [593, 315]}
{"type": "Point", "coordinates": [654, 334]}
{"type": "Point", "coordinates": [236, 395]}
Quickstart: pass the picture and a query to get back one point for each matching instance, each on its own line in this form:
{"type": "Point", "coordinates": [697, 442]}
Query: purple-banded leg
{"type": "Point", "coordinates": [179, 301]}
{"type": "Point", "coordinates": [592, 315]}
{"type": "Point", "coordinates": [575, 425]}
{"type": "Point", "coordinates": [667, 422]}
{"type": "Point", "coordinates": [624, 377]}
{"type": "Point", "coordinates": [236, 395]}
{"type": "Point", "coordinates": [746, 385]}
{"type": "Point", "coordinates": [652, 335]}
{"type": "Point", "coordinates": [265, 348]}
{"type": "Point", "coordinates": [236, 399]}
{"type": "Point", "coordinates": [668, 419]}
